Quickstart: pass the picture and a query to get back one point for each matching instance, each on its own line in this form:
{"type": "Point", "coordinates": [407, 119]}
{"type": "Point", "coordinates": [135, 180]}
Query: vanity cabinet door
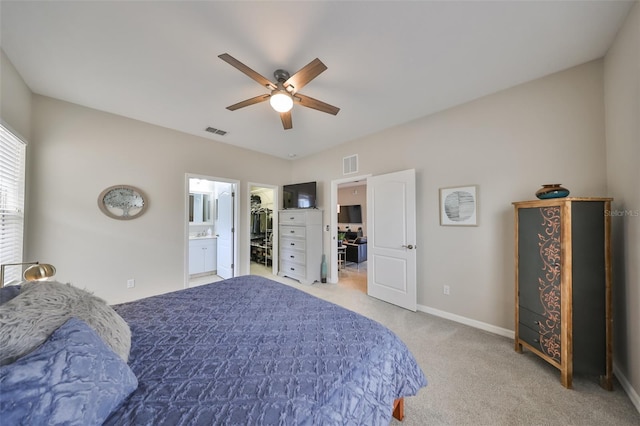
{"type": "Point", "coordinates": [202, 255]}
{"type": "Point", "coordinates": [210, 255]}
{"type": "Point", "coordinates": [196, 264]}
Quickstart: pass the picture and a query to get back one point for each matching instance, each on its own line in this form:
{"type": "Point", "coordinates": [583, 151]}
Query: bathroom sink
{"type": "Point", "coordinates": [200, 237]}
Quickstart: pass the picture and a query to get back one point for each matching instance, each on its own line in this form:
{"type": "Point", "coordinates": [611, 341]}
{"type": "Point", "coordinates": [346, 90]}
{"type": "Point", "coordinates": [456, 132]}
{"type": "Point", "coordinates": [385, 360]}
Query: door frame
{"type": "Point", "coordinates": [333, 220]}
{"type": "Point", "coordinates": [274, 247]}
{"type": "Point", "coordinates": [236, 211]}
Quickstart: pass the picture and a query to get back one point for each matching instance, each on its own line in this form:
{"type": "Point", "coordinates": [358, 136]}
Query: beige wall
{"type": "Point", "coordinates": [79, 152]}
{"type": "Point", "coordinates": [622, 102]}
{"type": "Point", "coordinates": [15, 99]}
{"type": "Point", "coordinates": [549, 130]}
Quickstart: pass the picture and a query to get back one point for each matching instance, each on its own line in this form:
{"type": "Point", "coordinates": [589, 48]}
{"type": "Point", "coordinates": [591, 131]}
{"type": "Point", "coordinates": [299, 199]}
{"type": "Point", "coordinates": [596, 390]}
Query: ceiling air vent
{"type": "Point", "coordinates": [216, 131]}
{"type": "Point", "coordinates": [350, 164]}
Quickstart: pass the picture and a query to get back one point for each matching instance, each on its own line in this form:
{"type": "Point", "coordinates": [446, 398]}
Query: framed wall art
{"type": "Point", "coordinates": [459, 206]}
{"type": "Point", "coordinates": [123, 202]}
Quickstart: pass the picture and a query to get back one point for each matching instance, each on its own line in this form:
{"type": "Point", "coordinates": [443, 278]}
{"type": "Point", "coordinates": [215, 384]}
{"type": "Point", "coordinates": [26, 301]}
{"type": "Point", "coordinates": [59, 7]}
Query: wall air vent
{"type": "Point", "coordinates": [350, 164]}
{"type": "Point", "coordinates": [216, 131]}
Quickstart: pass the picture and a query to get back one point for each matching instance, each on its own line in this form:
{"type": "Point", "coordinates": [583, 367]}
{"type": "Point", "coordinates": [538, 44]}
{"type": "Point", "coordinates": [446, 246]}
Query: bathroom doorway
{"type": "Point", "coordinates": [263, 232]}
{"type": "Point", "coordinates": [210, 237]}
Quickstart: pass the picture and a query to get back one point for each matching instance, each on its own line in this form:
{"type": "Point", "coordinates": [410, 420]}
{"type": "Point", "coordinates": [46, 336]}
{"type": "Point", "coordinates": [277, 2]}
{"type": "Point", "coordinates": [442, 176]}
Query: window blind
{"type": "Point", "coordinates": [12, 172]}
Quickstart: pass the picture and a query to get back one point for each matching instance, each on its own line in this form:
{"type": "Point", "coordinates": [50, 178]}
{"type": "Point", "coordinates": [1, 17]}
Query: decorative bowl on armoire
{"type": "Point", "coordinates": [552, 190]}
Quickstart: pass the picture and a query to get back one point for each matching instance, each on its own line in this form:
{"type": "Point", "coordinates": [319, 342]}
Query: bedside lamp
{"type": "Point", "coordinates": [39, 272]}
{"type": "Point", "coordinates": [35, 272]}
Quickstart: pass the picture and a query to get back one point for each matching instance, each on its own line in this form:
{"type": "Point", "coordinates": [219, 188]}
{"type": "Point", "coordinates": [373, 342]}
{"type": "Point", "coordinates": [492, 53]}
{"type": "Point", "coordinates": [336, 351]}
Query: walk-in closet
{"type": "Point", "coordinates": [261, 226]}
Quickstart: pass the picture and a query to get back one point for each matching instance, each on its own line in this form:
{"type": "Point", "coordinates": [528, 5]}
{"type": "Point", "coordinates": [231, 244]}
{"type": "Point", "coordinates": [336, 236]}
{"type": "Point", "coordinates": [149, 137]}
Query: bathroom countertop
{"type": "Point", "coordinates": [201, 237]}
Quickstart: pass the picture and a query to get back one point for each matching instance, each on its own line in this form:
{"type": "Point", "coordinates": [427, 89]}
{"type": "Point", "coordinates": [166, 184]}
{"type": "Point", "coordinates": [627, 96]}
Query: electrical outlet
{"type": "Point", "coordinates": [131, 283]}
{"type": "Point", "coordinates": [445, 290]}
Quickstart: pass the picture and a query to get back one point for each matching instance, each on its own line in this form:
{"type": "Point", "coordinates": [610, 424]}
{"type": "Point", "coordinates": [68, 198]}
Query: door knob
{"type": "Point", "coordinates": [409, 246]}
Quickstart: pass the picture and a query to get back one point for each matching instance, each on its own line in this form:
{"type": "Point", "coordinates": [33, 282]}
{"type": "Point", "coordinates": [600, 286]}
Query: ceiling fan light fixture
{"type": "Point", "coordinates": [285, 92]}
{"type": "Point", "coordinates": [281, 100]}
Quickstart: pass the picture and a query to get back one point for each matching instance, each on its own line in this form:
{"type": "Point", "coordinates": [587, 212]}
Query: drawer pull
{"type": "Point", "coordinates": [291, 218]}
{"type": "Point", "coordinates": [292, 231]}
{"type": "Point", "coordinates": [293, 269]}
{"type": "Point", "coordinates": [292, 256]}
{"type": "Point", "coordinates": [293, 244]}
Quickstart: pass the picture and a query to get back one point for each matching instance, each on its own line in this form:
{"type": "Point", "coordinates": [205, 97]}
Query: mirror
{"type": "Point", "coordinates": [200, 207]}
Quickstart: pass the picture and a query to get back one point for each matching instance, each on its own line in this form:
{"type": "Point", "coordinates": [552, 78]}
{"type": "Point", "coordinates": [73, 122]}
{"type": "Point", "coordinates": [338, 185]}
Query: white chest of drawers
{"type": "Point", "coordinates": [300, 234]}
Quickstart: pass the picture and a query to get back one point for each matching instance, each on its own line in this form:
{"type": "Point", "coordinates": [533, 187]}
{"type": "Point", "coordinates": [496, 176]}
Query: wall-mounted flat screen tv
{"type": "Point", "coordinates": [299, 196]}
{"type": "Point", "coordinates": [350, 214]}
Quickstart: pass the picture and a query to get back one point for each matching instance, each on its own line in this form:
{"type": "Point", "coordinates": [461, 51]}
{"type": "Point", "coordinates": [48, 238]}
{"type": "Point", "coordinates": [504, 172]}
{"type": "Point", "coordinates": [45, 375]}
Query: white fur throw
{"type": "Point", "coordinates": [28, 319]}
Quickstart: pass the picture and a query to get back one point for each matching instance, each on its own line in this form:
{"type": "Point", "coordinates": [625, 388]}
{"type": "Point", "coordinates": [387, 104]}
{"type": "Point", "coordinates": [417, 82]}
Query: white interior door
{"type": "Point", "coordinates": [391, 218]}
{"type": "Point", "coordinates": [224, 226]}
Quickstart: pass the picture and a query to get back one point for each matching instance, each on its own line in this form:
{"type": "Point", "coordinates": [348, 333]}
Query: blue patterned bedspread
{"type": "Point", "coordinates": [251, 351]}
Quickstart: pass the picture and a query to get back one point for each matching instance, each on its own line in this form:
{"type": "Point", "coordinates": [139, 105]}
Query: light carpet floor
{"type": "Point", "coordinates": [476, 378]}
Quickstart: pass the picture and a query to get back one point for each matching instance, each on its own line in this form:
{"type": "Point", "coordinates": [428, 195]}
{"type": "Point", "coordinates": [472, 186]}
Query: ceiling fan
{"type": "Point", "coordinates": [285, 92]}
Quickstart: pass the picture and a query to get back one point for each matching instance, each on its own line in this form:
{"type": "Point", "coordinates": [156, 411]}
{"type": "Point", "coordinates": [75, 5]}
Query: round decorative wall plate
{"type": "Point", "coordinates": [122, 202]}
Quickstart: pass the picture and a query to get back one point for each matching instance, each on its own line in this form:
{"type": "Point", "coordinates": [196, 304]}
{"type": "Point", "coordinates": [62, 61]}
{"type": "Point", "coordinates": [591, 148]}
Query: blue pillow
{"type": "Point", "coordinates": [73, 378]}
{"type": "Point", "coordinates": [9, 292]}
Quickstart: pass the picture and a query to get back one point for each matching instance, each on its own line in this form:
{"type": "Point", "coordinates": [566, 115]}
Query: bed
{"type": "Point", "coordinates": [249, 350]}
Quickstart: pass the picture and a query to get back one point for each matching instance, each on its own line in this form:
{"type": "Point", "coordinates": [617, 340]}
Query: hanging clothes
{"type": "Point", "coordinates": [261, 220]}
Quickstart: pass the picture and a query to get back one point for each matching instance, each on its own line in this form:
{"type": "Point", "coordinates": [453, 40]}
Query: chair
{"type": "Point", "coordinates": [342, 252]}
{"type": "Point", "coordinates": [357, 251]}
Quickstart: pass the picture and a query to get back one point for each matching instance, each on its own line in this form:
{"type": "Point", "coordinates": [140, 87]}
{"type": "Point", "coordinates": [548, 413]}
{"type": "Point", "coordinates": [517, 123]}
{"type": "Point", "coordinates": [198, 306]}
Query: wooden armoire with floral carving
{"type": "Point", "coordinates": [563, 285]}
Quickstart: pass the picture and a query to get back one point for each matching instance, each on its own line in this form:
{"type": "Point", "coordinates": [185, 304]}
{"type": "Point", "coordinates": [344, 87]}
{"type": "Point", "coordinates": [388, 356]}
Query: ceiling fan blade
{"type": "Point", "coordinates": [309, 102]}
{"type": "Point", "coordinates": [248, 71]}
{"type": "Point", "coordinates": [286, 120]}
{"type": "Point", "coordinates": [254, 100]}
{"type": "Point", "coordinates": [306, 74]}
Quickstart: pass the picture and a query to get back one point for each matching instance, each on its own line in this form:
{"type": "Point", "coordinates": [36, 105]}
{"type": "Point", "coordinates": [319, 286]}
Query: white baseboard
{"type": "Point", "coordinates": [631, 392]}
{"type": "Point", "coordinates": [468, 321]}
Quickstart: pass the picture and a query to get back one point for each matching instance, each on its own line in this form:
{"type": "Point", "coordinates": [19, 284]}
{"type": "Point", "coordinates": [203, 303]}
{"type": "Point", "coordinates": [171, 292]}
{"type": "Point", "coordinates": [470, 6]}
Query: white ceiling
{"type": "Point", "coordinates": [388, 62]}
